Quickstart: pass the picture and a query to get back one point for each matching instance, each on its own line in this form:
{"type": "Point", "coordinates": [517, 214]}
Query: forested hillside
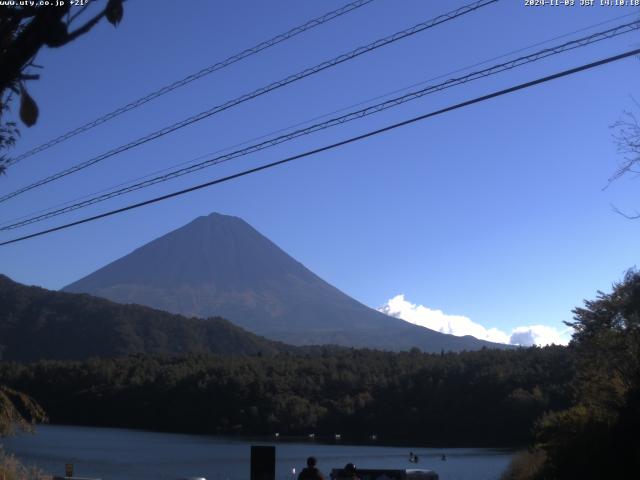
{"type": "Point", "coordinates": [489, 397]}
{"type": "Point", "coordinates": [42, 324]}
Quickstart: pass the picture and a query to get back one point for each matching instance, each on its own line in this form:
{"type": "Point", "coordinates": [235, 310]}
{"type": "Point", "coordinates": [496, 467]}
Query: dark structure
{"type": "Point", "coordinates": [263, 463]}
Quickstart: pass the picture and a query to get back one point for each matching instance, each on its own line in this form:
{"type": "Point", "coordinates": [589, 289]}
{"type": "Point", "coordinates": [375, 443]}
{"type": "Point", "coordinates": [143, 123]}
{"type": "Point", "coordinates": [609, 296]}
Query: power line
{"type": "Point", "coordinates": [327, 17]}
{"type": "Point", "coordinates": [495, 69]}
{"type": "Point", "coordinates": [261, 91]}
{"type": "Point", "coordinates": [483, 62]}
{"type": "Point", "coordinates": [318, 117]}
{"type": "Point", "coordinates": [332, 146]}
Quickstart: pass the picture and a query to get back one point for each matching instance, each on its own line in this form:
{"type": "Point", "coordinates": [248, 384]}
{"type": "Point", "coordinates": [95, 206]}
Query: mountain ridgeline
{"type": "Point", "coordinates": [220, 266]}
{"type": "Point", "coordinates": [40, 324]}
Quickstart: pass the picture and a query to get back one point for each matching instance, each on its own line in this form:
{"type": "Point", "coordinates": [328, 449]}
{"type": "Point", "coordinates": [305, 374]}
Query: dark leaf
{"type": "Point", "coordinates": [57, 35]}
{"type": "Point", "coordinates": [114, 12]}
{"type": "Point", "coordinates": [28, 108]}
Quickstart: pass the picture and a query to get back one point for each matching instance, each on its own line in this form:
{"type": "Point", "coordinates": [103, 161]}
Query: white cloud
{"type": "Point", "coordinates": [539, 335]}
{"type": "Point", "coordinates": [460, 325]}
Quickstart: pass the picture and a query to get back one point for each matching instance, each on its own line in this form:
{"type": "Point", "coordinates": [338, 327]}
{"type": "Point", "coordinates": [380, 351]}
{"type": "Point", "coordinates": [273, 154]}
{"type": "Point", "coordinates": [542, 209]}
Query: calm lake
{"type": "Point", "coordinates": [110, 453]}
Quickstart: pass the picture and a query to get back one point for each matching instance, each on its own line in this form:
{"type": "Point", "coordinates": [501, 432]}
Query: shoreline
{"type": "Point", "coordinates": [318, 439]}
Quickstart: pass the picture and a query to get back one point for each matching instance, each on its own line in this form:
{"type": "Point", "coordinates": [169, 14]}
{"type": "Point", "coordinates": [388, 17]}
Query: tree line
{"type": "Point", "coordinates": [488, 397]}
{"type": "Point", "coordinates": [597, 435]}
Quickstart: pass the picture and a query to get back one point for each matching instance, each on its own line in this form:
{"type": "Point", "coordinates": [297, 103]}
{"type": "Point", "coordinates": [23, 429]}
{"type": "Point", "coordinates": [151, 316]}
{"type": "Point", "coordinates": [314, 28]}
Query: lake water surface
{"type": "Point", "coordinates": [110, 453]}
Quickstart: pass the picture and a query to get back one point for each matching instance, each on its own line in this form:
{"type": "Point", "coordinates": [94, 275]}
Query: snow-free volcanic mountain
{"type": "Point", "coordinates": [221, 266]}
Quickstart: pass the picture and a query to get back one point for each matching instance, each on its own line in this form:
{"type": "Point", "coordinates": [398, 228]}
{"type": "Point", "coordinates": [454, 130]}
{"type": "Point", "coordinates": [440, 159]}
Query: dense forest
{"type": "Point", "coordinates": [489, 397]}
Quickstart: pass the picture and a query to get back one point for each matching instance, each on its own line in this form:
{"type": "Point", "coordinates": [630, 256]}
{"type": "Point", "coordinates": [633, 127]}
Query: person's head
{"type": "Point", "coordinates": [350, 469]}
{"type": "Point", "coordinates": [311, 462]}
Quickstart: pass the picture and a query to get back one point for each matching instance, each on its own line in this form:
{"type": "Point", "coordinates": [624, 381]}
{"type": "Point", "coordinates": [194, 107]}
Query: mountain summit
{"type": "Point", "coordinates": [221, 266]}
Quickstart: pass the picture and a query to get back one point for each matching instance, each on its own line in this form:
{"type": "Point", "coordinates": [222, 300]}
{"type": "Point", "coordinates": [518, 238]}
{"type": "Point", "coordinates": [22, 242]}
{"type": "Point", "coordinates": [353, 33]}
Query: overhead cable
{"type": "Point", "coordinates": [332, 146]}
{"type": "Point", "coordinates": [327, 17]}
{"type": "Point", "coordinates": [495, 69]}
{"type": "Point", "coordinates": [256, 93]}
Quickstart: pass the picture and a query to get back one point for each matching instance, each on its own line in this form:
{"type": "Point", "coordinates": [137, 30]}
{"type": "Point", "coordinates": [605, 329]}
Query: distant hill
{"type": "Point", "coordinates": [41, 324]}
{"type": "Point", "coordinates": [220, 266]}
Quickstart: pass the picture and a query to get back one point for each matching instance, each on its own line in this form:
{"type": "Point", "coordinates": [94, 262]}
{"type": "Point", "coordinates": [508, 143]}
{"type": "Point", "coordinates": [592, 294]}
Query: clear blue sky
{"type": "Point", "coordinates": [495, 212]}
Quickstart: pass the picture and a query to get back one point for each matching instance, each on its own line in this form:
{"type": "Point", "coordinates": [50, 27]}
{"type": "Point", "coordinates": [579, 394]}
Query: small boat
{"type": "Point", "coordinates": [72, 478]}
{"type": "Point", "coordinates": [386, 474]}
{"type": "Point", "coordinates": [421, 474]}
